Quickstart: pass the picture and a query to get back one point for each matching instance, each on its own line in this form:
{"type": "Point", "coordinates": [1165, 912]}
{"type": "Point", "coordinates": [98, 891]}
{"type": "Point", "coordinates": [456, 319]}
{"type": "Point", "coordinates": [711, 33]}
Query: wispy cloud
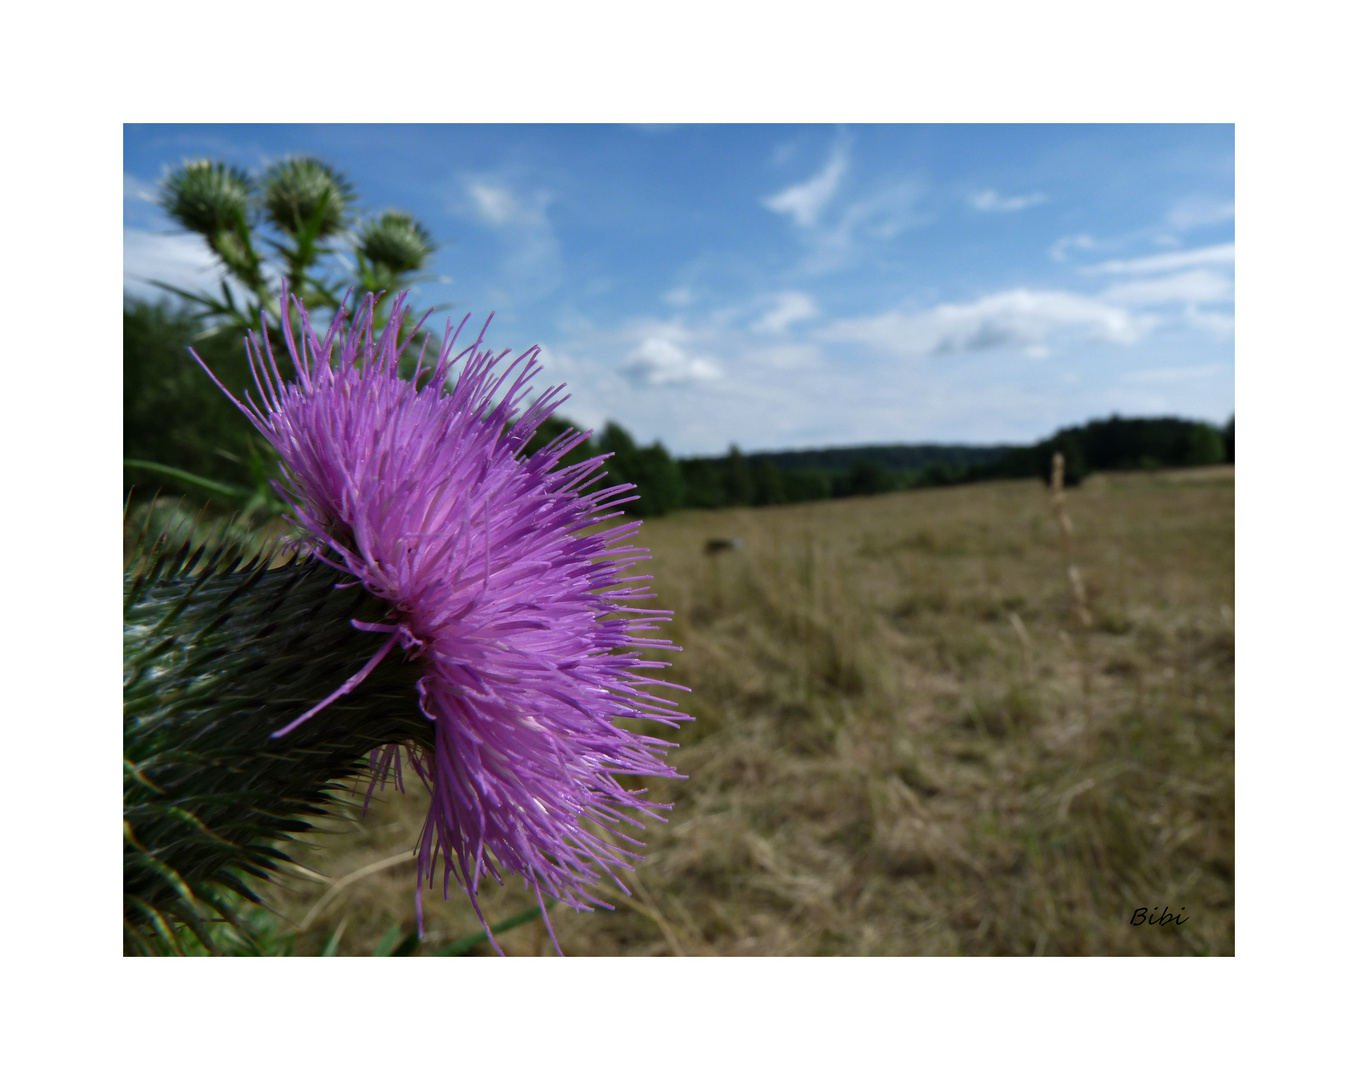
{"type": "Point", "coordinates": [990, 201]}
{"type": "Point", "coordinates": [1198, 210]}
{"type": "Point", "coordinates": [882, 215]}
{"type": "Point", "coordinates": [496, 205]}
{"type": "Point", "coordinates": [532, 253]}
{"type": "Point", "coordinates": [1172, 375]}
{"type": "Point", "coordinates": [804, 202]}
{"type": "Point", "coordinates": [176, 258]}
{"type": "Point", "coordinates": [1218, 254]}
{"type": "Point", "coordinates": [1083, 242]}
{"type": "Point", "coordinates": [662, 358]}
{"type": "Point", "coordinates": [1218, 324]}
{"type": "Point", "coordinates": [499, 205]}
{"type": "Point", "coordinates": [1192, 286]}
{"type": "Point", "coordinates": [835, 225]}
{"type": "Point", "coordinates": [1017, 319]}
{"type": "Point", "coordinates": [790, 307]}
{"type": "Point", "coordinates": [680, 296]}
{"type": "Point", "coordinates": [799, 356]}
{"type": "Point", "coordinates": [876, 218]}
{"type": "Point", "coordinates": [140, 190]}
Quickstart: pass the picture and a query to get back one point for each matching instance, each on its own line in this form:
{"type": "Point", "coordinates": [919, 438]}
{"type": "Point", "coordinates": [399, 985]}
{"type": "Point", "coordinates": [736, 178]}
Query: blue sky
{"type": "Point", "coordinates": [788, 286]}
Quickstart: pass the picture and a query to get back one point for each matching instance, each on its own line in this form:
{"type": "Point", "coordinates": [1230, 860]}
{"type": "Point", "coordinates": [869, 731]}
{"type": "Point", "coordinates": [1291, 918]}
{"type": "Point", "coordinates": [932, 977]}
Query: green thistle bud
{"type": "Point", "coordinates": [397, 242]}
{"type": "Point", "coordinates": [303, 193]}
{"type": "Point", "coordinates": [207, 197]}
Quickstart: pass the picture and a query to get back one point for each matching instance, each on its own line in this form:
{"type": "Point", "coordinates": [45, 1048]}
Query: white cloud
{"type": "Point", "coordinates": [782, 153]}
{"type": "Point", "coordinates": [1217, 323]}
{"type": "Point", "coordinates": [790, 357]}
{"type": "Point", "coordinates": [533, 256]}
{"type": "Point", "coordinates": [805, 201]}
{"type": "Point", "coordinates": [1170, 375]}
{"type": "Point", "coordinates": [703, 380]}
{"type": "Point", "coordinates": [681, 296]}
{"type": "Point", "coordinates": [1191, 286]}
{"type": "Point", "coordinates": [992, 200]}
{"type": "Point", "coordinates": [138, 189]}
{"type": "Point", "coordinates": [557, 364]}
{"type": "Point", "coordinates": [883, 215]}
{"type": "Point", "coordinates": [495, 205]}
{"type": "Point", "coordinates": [1019, 319]}
{"type": "Point", "coordinates": [835, 229]}
{"type": "Point", "coordinates": [1059, 249]}
{"type": "Point", "coordinates": [1198, 210]}
{"type": "Point", "coordinates": [878, 217]}
{"type": "Point", "coordinates": [177, 259]}
{"type": "Point", "coordinates": [791, 307]}
{"type": "Point", "coordinates": [661, 360]}
{"type": "Point", "coordinates": [1177, 260]}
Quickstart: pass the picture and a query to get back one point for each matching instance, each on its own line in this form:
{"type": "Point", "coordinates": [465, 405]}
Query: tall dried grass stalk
{"type": "Point", "coordinates": [344, 882]}
{"type": "Point", "coordinates": [1079, 599]}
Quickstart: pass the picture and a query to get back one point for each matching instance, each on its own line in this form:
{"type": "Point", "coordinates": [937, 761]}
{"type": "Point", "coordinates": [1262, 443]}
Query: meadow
{"type": "Point", "coordinates": [905, 741]}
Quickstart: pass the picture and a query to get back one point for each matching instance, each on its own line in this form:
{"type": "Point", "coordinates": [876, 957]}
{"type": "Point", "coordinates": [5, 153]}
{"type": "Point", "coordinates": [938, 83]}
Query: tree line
{"type": "Point", "coordinates": [173, 416]}
{"type": "Point", "coordinates": [665, 483]}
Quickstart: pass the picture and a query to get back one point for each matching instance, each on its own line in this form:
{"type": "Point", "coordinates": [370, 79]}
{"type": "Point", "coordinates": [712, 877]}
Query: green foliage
{"type": "Point", "coordinates": [899, 458]}
{"type": "Point", "coordinates": [1205, 446]}
{"type": "Point", "coordinates": [462, 946]}
{"type": "Point", "coordinates": [220, 651]}
{"type": "Point", "coordinates": [178, 428]}
{"type": "Point", "coordinates": [806, 485]}
{"type": "Point", "coordinates": [737, 479]}
{"type": "Point", "coordinates": [867, 478]}
{"type": "Point", "coordinates": [395, 943]}
{"type": "Point", "coordinates": [394, 242]}
{"type": "Point", "coordinates": [208, 197]}
{"type": "Point", "coordinates": [259, 932]}
{"type": "Point", "coordinates": [1118, 443]}
{"type": "Point", "coordinates": [552, 429]}
{"type": "Point", "coordinates": [660, 487]}
{"type": "Point", "coordinates": [180, 434]}
{"type": "Point", "coordinates": [1071, 448]}
{"type": "Point", "coordinates": [287, 222]}
{"type": "Point", "coordinates": [941, 474]}
{"type": "Point", "coordinates": [768, 484]}
{"type": "Point", "coordinates": [805, 475]}
{"type": "Point", "coordinates": [305, 196]}
{"type": "Point", "coordinates": [703, 485]}
{"type": "Point", "coordinates": [1115, 444]}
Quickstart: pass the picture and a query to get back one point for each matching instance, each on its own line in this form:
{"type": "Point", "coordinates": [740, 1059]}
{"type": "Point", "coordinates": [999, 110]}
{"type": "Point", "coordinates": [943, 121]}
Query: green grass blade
{"type": "Point", "coordinates": [462, 946]}
{"type": "Point", "coordinates": [408, 944]}
{"type": "Point", "coordinates": [389, 941]}
{"type": "Point", "coordinates": [216, 488]}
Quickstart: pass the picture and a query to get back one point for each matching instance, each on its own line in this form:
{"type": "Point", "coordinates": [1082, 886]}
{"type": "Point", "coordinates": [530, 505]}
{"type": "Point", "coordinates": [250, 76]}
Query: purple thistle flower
{"type": "Point", "coordinates": [521, 614]}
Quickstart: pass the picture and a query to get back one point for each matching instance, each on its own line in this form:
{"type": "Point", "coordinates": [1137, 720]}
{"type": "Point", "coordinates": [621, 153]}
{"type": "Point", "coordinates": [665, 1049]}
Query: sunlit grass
{"type": "Point", "coordinates": [892, 751]}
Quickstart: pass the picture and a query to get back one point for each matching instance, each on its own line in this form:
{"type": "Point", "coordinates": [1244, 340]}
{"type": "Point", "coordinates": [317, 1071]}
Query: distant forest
{"type": "Point", "coordinates": [764, 479]}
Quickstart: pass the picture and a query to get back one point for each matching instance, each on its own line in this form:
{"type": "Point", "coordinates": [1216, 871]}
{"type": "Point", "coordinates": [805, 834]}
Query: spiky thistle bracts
{"type": "Point", "coordinates": [503, 582]}
{"type": "Point", "coordinates": [220, 648]}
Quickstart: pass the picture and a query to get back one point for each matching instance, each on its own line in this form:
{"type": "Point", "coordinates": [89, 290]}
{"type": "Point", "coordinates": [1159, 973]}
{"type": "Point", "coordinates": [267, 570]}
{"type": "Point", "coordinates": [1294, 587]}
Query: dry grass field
{"type": "Point", "coordinates": [904, 742]}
